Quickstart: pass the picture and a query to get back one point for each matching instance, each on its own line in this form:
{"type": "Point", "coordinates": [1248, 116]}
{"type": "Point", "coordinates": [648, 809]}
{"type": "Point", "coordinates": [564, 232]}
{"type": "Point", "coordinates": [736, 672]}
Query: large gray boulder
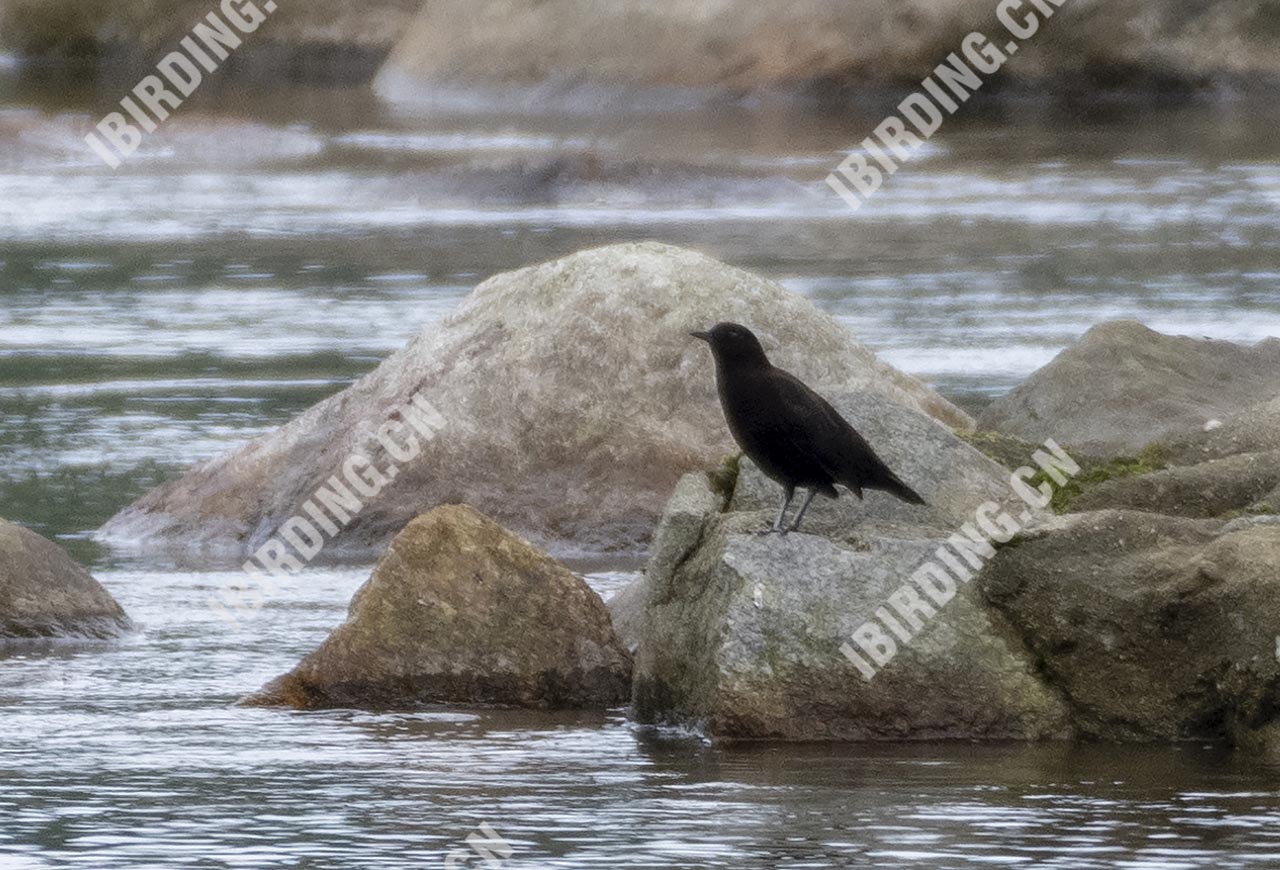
{"type": "Point", "coordinates": [571, 399]}
{"type": "Point", "coordinates": [742, 634]}
{"type": "Point", "coordinates": [535, 49]}
{"type": "Point", "coordinates": [1152, 627]}
{"type": "Point", "coordinates": [1112, 625]}
{"type": "Point", "coordinates": [46, 594]}
{"type": "Point", "coordinates": [678, 44]}
{"type": "Point", "coordinates": [1123, 386]}
{"type": "Point", "coordinates": [461, 611]}
{"type": "Point", "coordinates": [696, 497]}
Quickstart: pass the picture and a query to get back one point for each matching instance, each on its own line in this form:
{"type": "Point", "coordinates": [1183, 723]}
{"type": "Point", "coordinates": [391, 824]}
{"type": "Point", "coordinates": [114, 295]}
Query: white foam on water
{"type": "Point", "coordinates": [257, 322]}
{"type": "Point", "coordinates": [461, 141]}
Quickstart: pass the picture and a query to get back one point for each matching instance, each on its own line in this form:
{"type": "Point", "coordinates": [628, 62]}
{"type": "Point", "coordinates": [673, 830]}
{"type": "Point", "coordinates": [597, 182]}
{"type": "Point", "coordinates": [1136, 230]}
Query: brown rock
{"type": "Point", "coordinates": [1256, 429]}
{"type": "Point", "coordinates": [319, 39]}
{"type": "Point", "coordinates": [461, 611]}
{"type": "Point", "coordinates": [44, 593]}
{"type": "Point", "coordinates": [1152, 627]}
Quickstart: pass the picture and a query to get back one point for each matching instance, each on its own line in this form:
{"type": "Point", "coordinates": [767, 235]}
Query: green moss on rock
{"type": "Point", "coordinates": [725, 477]}
{"type": "Point", "coordinates": [1094, 472]}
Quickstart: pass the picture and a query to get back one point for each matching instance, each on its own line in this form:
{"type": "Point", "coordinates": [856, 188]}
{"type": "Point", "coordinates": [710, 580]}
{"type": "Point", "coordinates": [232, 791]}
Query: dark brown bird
{"type": "Point", "coordinates": [788, 430]}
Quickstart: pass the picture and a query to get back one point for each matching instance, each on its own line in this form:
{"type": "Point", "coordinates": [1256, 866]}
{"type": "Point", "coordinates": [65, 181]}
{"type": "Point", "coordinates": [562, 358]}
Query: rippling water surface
{"type": "Point", "coordinates": [132, 756]}
{"type": "Point", "coordinates": [266, 249]}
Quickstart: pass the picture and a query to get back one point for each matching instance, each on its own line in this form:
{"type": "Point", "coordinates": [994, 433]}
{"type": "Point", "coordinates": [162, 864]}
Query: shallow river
{"type": "Point", "coordinates": [266, 249]}
{"type": "Point", "coordinates": [133, 757]}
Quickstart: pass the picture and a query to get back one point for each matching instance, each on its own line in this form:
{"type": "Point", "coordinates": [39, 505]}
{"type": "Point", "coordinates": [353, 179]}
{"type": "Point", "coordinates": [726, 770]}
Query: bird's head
{"type": "Point", "coordinates": [734, 344]}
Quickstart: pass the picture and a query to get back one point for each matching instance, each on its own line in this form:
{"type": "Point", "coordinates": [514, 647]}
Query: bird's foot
{"type": "Point", "coordinates": [769, 530]}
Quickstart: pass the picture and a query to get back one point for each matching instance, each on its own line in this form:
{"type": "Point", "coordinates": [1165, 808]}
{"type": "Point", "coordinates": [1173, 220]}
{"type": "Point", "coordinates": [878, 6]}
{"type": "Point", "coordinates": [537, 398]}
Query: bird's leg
{"type": "Point", "coordinates": [787, 494]}
{"type": "Point", "coordinates": [795, 524]}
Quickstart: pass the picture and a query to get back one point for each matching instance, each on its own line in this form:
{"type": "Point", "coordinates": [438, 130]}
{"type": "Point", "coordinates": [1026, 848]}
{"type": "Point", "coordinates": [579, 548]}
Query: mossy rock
{"type": "Point", "coordinates": [1223, 488]}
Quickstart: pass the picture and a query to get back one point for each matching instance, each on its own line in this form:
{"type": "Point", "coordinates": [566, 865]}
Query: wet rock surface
{"type": "Point", "coordinates": [743, 633]}
{"type": "Point", "coordinates": [44, 593]}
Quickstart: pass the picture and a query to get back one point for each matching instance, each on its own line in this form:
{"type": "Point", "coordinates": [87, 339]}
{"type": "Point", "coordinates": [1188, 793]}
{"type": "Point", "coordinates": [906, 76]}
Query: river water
{"type": "Point", "coordinates": [266, 248]}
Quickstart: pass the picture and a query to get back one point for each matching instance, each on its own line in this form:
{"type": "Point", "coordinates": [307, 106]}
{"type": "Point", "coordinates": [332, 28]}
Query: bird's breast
{"type": "Point", "coordinates": [750, 408]}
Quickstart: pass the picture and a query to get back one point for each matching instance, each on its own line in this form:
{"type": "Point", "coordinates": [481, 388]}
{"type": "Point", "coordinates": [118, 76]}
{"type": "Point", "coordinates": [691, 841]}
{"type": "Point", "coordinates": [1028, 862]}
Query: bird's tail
{"type": "Point", "coordinates": [893, 485]}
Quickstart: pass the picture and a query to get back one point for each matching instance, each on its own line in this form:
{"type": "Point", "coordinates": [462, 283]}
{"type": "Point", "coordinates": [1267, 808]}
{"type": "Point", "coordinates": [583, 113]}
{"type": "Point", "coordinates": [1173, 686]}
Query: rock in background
{"type": "Point", "coordinates": [318, 40]}
{"type": "Point", "coordinates": [572, 398]}
{"type": "Point", "coordinates": [1123, 386]}
{"type": "Point", "coordinates": [1254, 430]}
{"type": "Point", "coordinates": [1217, 488]}
{"type": "Point", "coordinates": [46, 594]}
{"type": "Point", "coordinates": [698, 48]}
{"type": "Point", "coordinates": [461, 611]}
{"type": "Point", "coordinates": [1168, 425]}
{"type": "Point", "coordinates": [731, 47]}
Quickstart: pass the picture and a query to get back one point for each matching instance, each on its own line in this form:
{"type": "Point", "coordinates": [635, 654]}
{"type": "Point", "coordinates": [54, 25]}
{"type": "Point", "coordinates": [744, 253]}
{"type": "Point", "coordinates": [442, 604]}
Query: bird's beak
{"type": "Point", "coordinates": [704, 336]}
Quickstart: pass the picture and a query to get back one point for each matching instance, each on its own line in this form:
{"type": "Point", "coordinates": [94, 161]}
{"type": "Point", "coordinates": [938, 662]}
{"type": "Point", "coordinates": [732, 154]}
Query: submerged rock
{"type": "Point", "coordinates": [46, 594]}
{"type": "Point", "coordinates": [461, 611]}
{"type": "Point", "coordinates": [742, 634]}
{"type": "Point", "coordinates": [1123, 386]}
{"type": "Point", "coordinates": [571, 400]}
{"type": "Point", "coordinates": [1152, 627]}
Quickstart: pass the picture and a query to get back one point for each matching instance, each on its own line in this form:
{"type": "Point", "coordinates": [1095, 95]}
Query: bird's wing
{"type": "Point", "coordinates": [815, 429]}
